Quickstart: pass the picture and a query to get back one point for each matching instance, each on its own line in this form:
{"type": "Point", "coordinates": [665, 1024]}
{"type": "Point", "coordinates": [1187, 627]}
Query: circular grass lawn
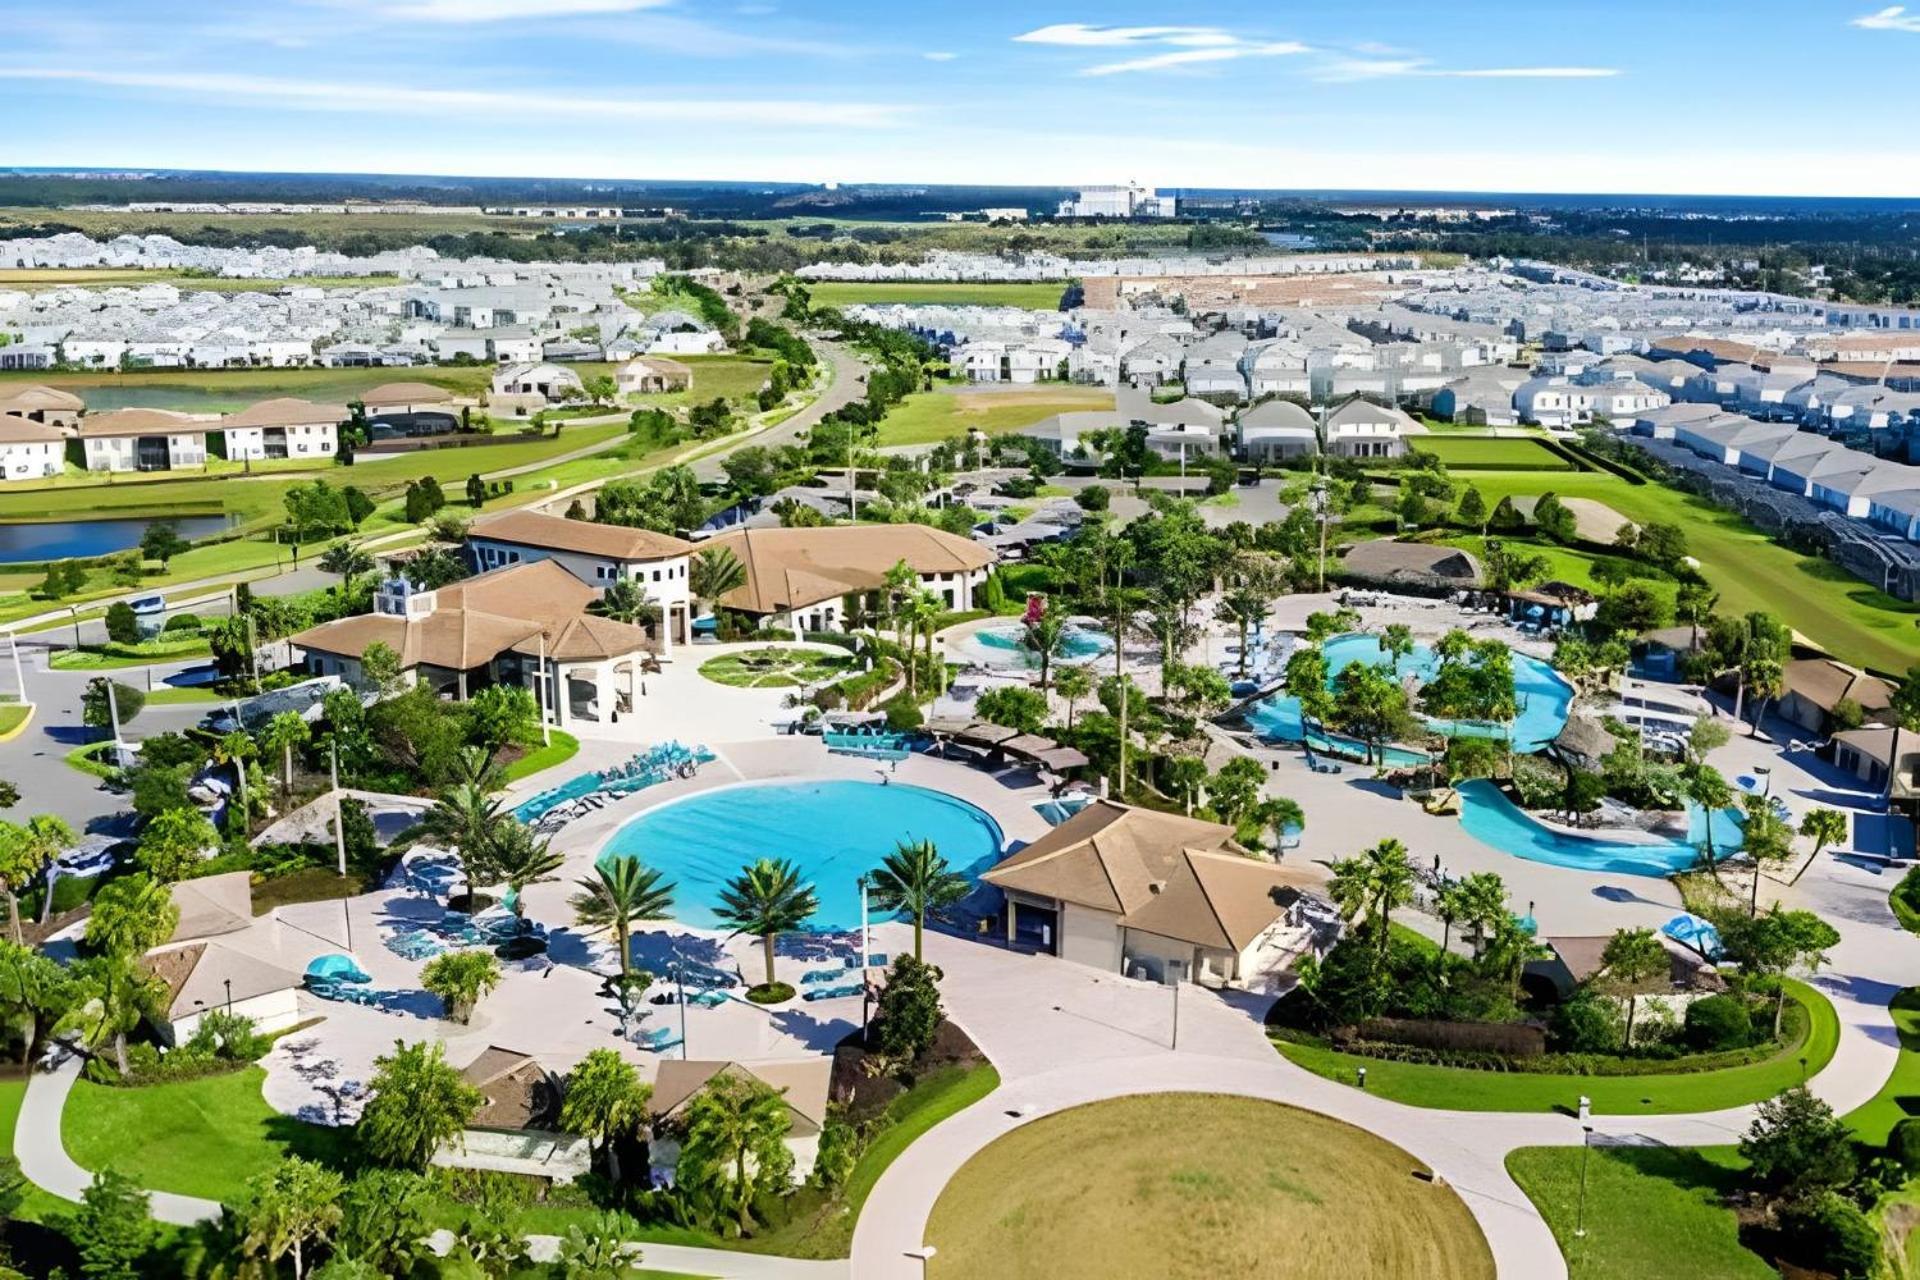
{"type": "Point", "coordinates": [1194, 1186]}
{"type": "Point", "coordinates": [775, 667]}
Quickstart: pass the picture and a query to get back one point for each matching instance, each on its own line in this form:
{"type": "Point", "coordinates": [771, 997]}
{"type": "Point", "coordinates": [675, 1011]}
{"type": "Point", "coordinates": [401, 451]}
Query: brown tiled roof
{"type": "Point", "coordinates": [801, 1083]}
{"type": "Point", "coordinates": [36, 397]}
{"type": "Point", "coordinates": [1179, 877]}
{"type": "Point", "coordinates": [557, 533]}
{"type": "Point", "coordinates": [287, 412]}
{"type": "Point", "coordinates": [15, 430]}
{"type": "Point", "coordinates": [519, 1093]}
{"type": "Point", "coordinates": [1387, 560]}
{"type": "Point", "coordinates": [1824, 682]}
{"type": "Point", "coordinates": [144, 422]}
{"type": "Point", "coordinates": [792, 568]}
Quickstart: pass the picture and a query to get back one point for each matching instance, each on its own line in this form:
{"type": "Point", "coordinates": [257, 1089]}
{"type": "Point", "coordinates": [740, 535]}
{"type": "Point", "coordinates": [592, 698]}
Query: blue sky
{"type": "Point", "coordinates": [1707, 96]}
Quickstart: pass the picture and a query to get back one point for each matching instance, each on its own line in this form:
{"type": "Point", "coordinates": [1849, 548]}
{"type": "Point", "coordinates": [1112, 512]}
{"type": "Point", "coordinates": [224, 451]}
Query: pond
{"type": "Point", "coordinates": [61, 539]}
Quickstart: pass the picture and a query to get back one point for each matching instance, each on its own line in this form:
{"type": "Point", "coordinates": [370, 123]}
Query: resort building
{"type": "Point", "coordinates": [282, 428]}
{"type": "Point", "coordinates": [201, 975]}
{"type": "Point", "coordinates": [1815, 686]}
{"type": "Point", "coordinates": [811, 579]}
{"type": "Point", "coordinates": [44, 405]}
{"type": "Point", "coordinates": [597, 554]}
{"type": "Point", "coordinates": [143, 440]}
{"type": "Point", "coordinates": [1382, 560]}
{"type": "Point", "coordinates": [1147, 894]}
{"type": "Point", "coordinates": [30, 450]}
{"type": "Point", "coordinates": [517, 1127]}
{"type": "Point", "coordinates": [802, 1084]}
{"type": "Point", "coordinates": [652, 375]}
{"type": "Point", "coordinates": [1867, 754]}
{"type": "Point", "coordinates": [526, 624]}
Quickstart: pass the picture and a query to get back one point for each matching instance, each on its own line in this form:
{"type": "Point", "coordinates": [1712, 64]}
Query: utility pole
{"type": "Point", "coordinates": [253, 649]}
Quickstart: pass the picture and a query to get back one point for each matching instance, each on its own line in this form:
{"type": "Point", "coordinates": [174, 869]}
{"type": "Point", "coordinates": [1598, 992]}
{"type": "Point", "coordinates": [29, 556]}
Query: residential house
{"type": "Point", "coordinates": [1867, 754]}
{"type": "Point", "coordinates": [143, 440]}
{"type": "Point", "coordinates": [542, 384]}
{"type": "Point", "coordinates": [1481, 396]}
{"type": "Point", "coordinates": [1362, 429]}
{"type": "Point", "coordinates": [45, 405]}
{"type": "Point", "coordinates": [802, 1084]}
{"type": "Point", "coordinates": [517, 1126]}
{"type": "Point", "coordinates": [1214, 369]}
{"type": "Point", "coordinates": [811, 579]}
{"type": "Point", "coordinates": [651, 375]}
{"type": "Point", "coordinates": [282, 428]}
{"type": "Point", "coordinates": [30, 450]}
{"type": "Point", "coordinates": [204, 977]}
{"type": "Point", "coordinates": [1148, 894]}
{"type": "Point", "coordinates": [410, 409]}
{"type": "Point", "coordinates": [598, 555]}
{"type": "Point", "coordinates": [1276, 430]}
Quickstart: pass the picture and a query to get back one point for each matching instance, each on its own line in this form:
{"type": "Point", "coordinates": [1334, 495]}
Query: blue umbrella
{"type": "Point", "coordinates": [340, 968]}
{"type": "Point", "coordinates": [1691, 931]}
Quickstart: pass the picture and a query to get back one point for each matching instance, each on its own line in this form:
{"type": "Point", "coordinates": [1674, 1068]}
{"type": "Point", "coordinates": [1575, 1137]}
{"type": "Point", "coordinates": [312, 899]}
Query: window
{"type": "Point", "coordinates": [603, 572]}
{"type": "Point", "coordinates": [656, 575]}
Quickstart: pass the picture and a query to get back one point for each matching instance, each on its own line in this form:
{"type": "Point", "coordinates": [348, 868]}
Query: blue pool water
{"type": "Point", "coordinates": [1494, 820]}
{"type": "Point", "coordinates": [1544, 697]}
{"type": "Point", "coordinates": [833, 831]}
{"type": "Point", "coordinates": [1079, 644]}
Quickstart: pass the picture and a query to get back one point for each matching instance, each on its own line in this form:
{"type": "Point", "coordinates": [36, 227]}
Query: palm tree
{"type": "Point", "coordinates": [117, 994]}
{"type": "Point", "coordinates": [1372, 883]}
{"type": "Point", "coordinates": [235, 749]}
{"type": "Point", "coordinates": [1631, 959]}
{"type": "Point", "coordinates": [296, 1202]}
{"type": "Point", "coordinates": [627, 601]}
{"type": "Point", "coordinates": [766, 900]}
{"type": "Point", "coordinates": [735, 1144]}
{"type": "Point", "coordinates": [620, 893]}
{"type": "Point", "coordinates": [1280, 814]}
{"type": "Point", "coordinates": [1482, 904]}
{"type": "Point", "coordinates": [516, 857]}
{"type": "Point", "coordinates": [460, 978]}
{"type": "Point", "coordinates": [1396, 642]}
{"type": "Point", "coordinates": [463, 819]}
{"type": "Point", "coordinates": [1450, 904]}
{"type": "Point", "coordinates": [715, 572]}
{"type": "Point", "coordinates": [25, 852]}
{"type": "Point", "coordinates": [1243, 606]}
{"type": "Point", "coordinates": [605, 1100]}
{"type": "Point", "coordinates": [1073, 684]}
{"type": "Point", "coordinates": [916, 878]}
{"type": "Point", "coordinates": [283, 733]}
{"type": "Point", "coordinates": [918, 613]}
{"type": "Point", "coordinates": [1823, 827]}
{"type": "Point", "coordinates": [348, 561]}
{"type": "Point", "coordinates": [131, 916]}
{"type": "Point", "coordinates": [1045, 638]}
{"type": "Point", "coordinates": [1705, 786]}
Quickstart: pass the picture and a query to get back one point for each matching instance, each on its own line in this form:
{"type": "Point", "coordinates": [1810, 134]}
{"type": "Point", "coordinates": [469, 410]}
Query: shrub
{"type": "Point", "coordinates": [909, 1014]}
{"type": "Point", "coordinates": [1830, 1233]}
{"type": "Point", "coordinates": [182, 622]}
{"type": "Point", "coordinates": [1586, 1024]}
{"type": "Point", "coordinates": [902, 714]}
{"type": "Point", "coordinates": [1718, 1022]}
{"type": "Point", "coordinates": [122, 626]}
{"type": "Point", "coordinates": [1095, 497]}
{"type": "Point", "coordinates": [771, 993]}
{"type": "Point", "coordinates": [1903, 1144]}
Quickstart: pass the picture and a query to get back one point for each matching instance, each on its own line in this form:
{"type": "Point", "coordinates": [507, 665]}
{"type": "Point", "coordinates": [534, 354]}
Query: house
{"type": "Point", "coordinates": [802, 1084]}
{"type": "Point", "coordinates": [282, 428]}
{"type": "Point", "coordinates": [1563, 402]}
{"type": "Point", "coordinates": [410, 408]}
{"type": "Point", "coordinates": [1571, 961]}
{"type": "Point", "coordinates": [518, 387]}
{"type": "Point", "coordinates": [1214, 368]}
{"type": "Point", "coordinates": [526, 624]}
{"type": "Point", "coordinates": [1362, 429]}
{"type": "Point", "coordinates": [1276, 430]}
{"type": "Point", "coordinates": [811, 579]}
{"type": "Point", "coordinates": [143, 440]}
{"type": "Point", "coordinates": [201, 977]}
{"type": "Point", "coordinates": [652, 375]}
{"type": "Point", "coordinates": [30, 450]}
{"type": "Point", "coordinates": [1383, 560]}
{"type": "Point", "coordinates": [517, 1126]}
{"type": "Point", "coordinates": [1867, 754]}
{"type": "Point", "coordinates": [1482, 396]}
{"type": "Point", "coordinates": [45, 405]}
{"type": "Point", "coordinates": [597, 554]}
{"type": "Point", "coordinates": [1815, 686]}
{"type": "Point", "coordinates": [1148, 894]}
{"type": "Point", "coordinates": [212, 905]}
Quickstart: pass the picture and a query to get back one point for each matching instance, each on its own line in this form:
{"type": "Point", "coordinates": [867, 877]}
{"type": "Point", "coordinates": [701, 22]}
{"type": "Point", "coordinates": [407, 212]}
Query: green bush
{"type": "Point", "coordinates": [1586, 1024]}
{"type": "Point", "coordinates": [182, 622]}
{"type": "Point", "coordinates": [903, 715]}
{"type": "Point", "coordinates": [1903, 1144]}
{"type": "Point", "coordinates": [771, 993]}
{"type": "Point", "coordinates": [1829, 1232]}
{"type": "Point", "coordinates": [122, 626]}
{"type": "Point", "coordinates": [1718, 1023]}
{"type": "Point", "coordinates": [1906, 900]}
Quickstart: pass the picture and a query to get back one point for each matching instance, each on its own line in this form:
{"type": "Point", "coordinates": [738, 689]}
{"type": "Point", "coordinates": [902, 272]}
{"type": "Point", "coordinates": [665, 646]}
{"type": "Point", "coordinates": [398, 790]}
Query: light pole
{"type": "Point", "coordinates": [339, 830]}
{"type": "Point", "coordinates": [1586, 1153]}
{"type": "Point", "coordinates": [680, 998]}
{"type": "Point", "coordinates": [229, 985]}
{"type": "Point", "coordinates": [866, 940]}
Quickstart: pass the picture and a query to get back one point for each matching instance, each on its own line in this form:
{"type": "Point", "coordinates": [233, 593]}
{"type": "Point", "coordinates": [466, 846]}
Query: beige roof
{"type": "Point", "coordinates": [1581, 954]}
{"type": "Point", "coordinates": [473, 622]}
{"type": "Point", "coordinates": [557, 533]}
{"type": "Point", "coordinates": [213, 905]}
{"type": "Point", "coordinates": [397, 393]}
{"type": "Point", "coordinates": [206, 975]}
{"type": "Point", "coordinates": [1824, 682]}
{"type": "Point", "coordinates": [1179, 877]}
{"type": "Point", "coordinates": [287, 412]}
{"type": "Point", "coordinates": [1387, 560]}
{"type": "Point", "coordinates": [803, 1083]}
{"type": "Point", "coordinates": [36, 397]}
{"type": "Point", "coordinates": [16, 430]}
{"type": "Point", "coordinates": [519, 1093]}
{"type": "Point", "coordinates": [658, 364]}
{"type": "Point", "coordinates": [144, 422]}
{"type": "Point", "coordinates": [791, 568]}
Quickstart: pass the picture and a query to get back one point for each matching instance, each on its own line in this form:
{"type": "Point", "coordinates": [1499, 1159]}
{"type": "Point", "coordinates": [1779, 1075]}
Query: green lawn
{"type": "Point", "coordinates": [1563, 563]}
{"type": "Point", "coordinates": [1823, 602]}
{"type": "Point", "coordinates": [199, 1138]}
{"type": "Point", "coordinates": [86, 759]}
{"type": "Point", "coordinates": [764, 668]}
{"type": "Point", "coordinates": [560, 748]}
{"type": "Point", "coordinates": [732, 377]}
{"type": "Point", "coordinates": [1040, 296]}
{"type": "Point", "coordinates": [1652, 1213]}
{"type": "Point", "coordinates": [1466, 453]}
{"type": "Point", "coordinates": [1875, 1120]}
{"type": "Point", "coordinates": [169, 696]}
{"type": "Point", "coordinates": [38, 1205]}
{"type": "Point", "coordinates": [106, 657]}
{"type": "Point", "coordinates": [12, 716]}
{"type": "Point", "coordinates": [930, 416]}
{"type": "Point", "coordinates": [1464, 1089]}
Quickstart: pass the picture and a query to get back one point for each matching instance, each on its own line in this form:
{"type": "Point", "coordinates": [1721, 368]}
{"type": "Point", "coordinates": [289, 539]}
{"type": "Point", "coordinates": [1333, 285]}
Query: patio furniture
{"type": "Point", "coordinates": [709, 998]}
{"type": "Point", "coordinates": [414, 944]}
{"type": "Point", "coordinates": [658, 1040]}
{"type": "Point", "coordinates": [833, 993]}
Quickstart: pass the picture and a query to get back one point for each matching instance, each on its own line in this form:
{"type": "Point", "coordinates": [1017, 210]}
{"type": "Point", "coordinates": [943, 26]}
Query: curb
{"type": "Point", "coordinates": [10, 734]}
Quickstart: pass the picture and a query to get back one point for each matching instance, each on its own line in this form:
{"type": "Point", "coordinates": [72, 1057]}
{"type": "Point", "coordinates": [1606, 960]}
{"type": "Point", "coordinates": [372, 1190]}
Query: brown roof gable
{"type": "Point", "coordinates": [29, 398]}
{"type": "Point", "coordinates": [402, 393]}
{"type": "Point", "coordinates": [144, 422]}
{"type": "Point", "coordinates": [286, 411]}
{"type": "Point", "coordinates": [557, 533]}
{"type": "Point", "coordinates": [14, 430]}
{"type": "Point", "coordinates": [792, 568]}
{"type": "Point", "coordinates": [802, 1084]}
{"type": "Point", "coordinates": [1824, 682]}
{"type": "Point", "coordinates": [519, 1093]}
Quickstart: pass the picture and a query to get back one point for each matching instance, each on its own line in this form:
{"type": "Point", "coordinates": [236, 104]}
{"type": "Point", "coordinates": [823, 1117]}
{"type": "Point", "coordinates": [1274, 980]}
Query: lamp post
{"type": "Point", "coordinates": [339, 830]}
{"type": "Point", "coordinates": [680, 998]}
{"type": "Point", "coordinates": [229, 985]}
{"type": "Point", "coordinates": [1586, 1153]}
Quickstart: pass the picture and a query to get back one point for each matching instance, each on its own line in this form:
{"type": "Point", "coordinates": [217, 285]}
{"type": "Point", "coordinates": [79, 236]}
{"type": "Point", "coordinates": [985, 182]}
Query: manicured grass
{"type": "Point", "coordinates": [765, 668]}
{"type": "Point", "coordinates": [1464, 1089]}
{"type": "Point", "coordinates": [1899, 1097]}
{"type": "Point", "coordinates": [1748, 569]}
{"type": "Point", "coordinates": [1652, 1212]}
{"type": "Point", "coordinates": [731, 377]}
{"type": "Point", "coordinates": [12, 716]}
{"type": "Point", "coordinates": [930, 416]}
{"type": "Point", "coordinates": [169, 696]}
{"type": "Point", "coordinates": [1564, 564]}
{"type": "Point", "coordinates": [107, 657]}
{"type": "Point", "coordinates": [1038, 296]}
{"type": "Point", "coordinates": [1198, 1185]}
{"type": "Point", "coordinates": [560, 748]}
{"type": "Point", "coordinates": [1466, 453]}
{"type": "Point", "coordinates": [86, 759]}
{"type": "Point", "coordinates": [199, 1138]}
{"type": "Point", "coordinates": [37, 1205]}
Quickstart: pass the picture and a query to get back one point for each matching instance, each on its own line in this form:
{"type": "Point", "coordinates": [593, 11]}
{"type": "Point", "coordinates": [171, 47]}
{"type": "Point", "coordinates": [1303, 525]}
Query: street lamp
{"type": "Point", "coordinates": [229, 985]}
{"type": "Point", "coordinates": [680, 998]}
{"type": "Point", "coordinates": [1586, 1153]}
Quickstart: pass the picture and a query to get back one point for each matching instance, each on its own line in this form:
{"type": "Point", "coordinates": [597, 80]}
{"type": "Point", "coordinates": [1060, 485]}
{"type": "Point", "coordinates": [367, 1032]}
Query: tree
{"type": "Point", "coordinates": [620, 893]}
{"type": "Point", "coordinates": [1280, 817]}
{"type": "Point", "coordinates": [359, 505]}
{"type": "Point", "coordinates": [1473, 509]}
{"type": "Point", "coordinates": [476, 490]}
{"type": "Point", "coordinates": [1183, 777]}
{"type": "Point", "coordinates": [460, 978]}
{"type": "Point", "coordinates": [1044, 635]}
{"type": "Point", "coordinates": [380, 668]}
{"type": "Point", "coordinates": [162, 542]}
{"type": "Point", "coordinates": [26, 851]}
{"type": "Point", "coordinates": [1631, 959]}
{"type": "Point", "coordinates": [1797, 1148]}
{"type": "Point", "coordinates": [1766, 838]}
{"type": "Point", "coordinates": [605, 1101]}
{"type": "Point", "coordinates": [1823, 827]}
{"type": "Point", "coordinates": [387, 1215]}
{"type": "Point", "coordinates": [1775, 943]}
{"type": "Point", "coordinates": [1371, 884]}
{"type": "Point", "coordinates": [1307, 681]}
{"type": "Point", "coordinates": [599, 1249]}
{"type": "Point", "coordinates": [131, 916]}
{"type": "Point", "coordinates": [36, 992]}
{"type": "Point", "coordinates": [767, 899]}
{"type": "Point", "coordinates": [174, 843]}
{"type": "Point", "coordinates": [1707, 788]}
{"type": "Point", "coordinates": [419, 1101]}
{"type": "Point", "coordinates": [909, 1013]}
{"type": "Point", "coordinates": [111, 1230]}
{"type": "Point", "coordinates": [1369, 704]}
{"type": "Point", "coordinates": [627, 601]}
{"type": "Point", "coordinates": [735, 1148]}
{"type": "Point", "coordinates": [115, 993]}
{"type": "Point", "coordinates": [1094, 498]}
{"type": "Point", "coordinates": [715, 572]}
{"type": "Point", "coordinates": [1553, 518]}
{"type": "Point", "coordinates": [123, 625]}
{"type": "Point", "coordinates": [283, 733]}
{"type": "Point", "coordinates": [916, 879]}
{"type": "Point", "coordinates": [516, 857]}
{"type": "Point", "coordinates": [1072, 684]}
{"type": "Point", "coordinates": [503, 715]}
{"type": "Point", "coordinates": [97, 712]}
{"type": "Point", "coordinates": [1013, 706]}
{"type": "Point", "coordinates": [295, 1203]}
{"type": "Point", "coordinates": [347, 561]}
{"type": "Point", "coordinates": [1235, 789]}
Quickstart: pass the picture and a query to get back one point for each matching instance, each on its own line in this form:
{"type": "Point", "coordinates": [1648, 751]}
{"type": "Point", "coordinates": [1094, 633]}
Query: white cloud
{"type": "Point", "coordinates": [939, 55]}
{"type": "Point", "coordinates": [312, 95]}
{"type": "Point", "coordinates": [1188, 57]}
{"type": "Point", "coordinates": [1894, 18]}
{"type": "Point", "coordinates": [1086, 35]}
{"type": "Point", "coordinates": [1532, 73]}
{"type": "Point", "coordinates": [1344, 70]}
{"type": "Point", "coordinates": [473, 11]}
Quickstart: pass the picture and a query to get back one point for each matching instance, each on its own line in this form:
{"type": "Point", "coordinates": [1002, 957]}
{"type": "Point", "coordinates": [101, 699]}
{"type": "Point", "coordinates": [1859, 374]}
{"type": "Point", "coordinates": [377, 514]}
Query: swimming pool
{"type": "Point", "coordinates": [834, 831]}
{"type": "Point", "coordinates": [1078, 644]}
{"type": "Point", "coordinates": [1544, 697]}
{"type": "Point", "coordinates": [1489, 817]}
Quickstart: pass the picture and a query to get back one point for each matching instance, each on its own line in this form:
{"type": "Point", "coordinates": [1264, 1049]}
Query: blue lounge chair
{"type": "Point", "coordinates": [832, 993]}
{"type": "Point", "coordinates": [658, 1040]}
{"type": "Point", "coordinates": [708, 999]}
{"type": "Point", "coordinates": [818, 977]}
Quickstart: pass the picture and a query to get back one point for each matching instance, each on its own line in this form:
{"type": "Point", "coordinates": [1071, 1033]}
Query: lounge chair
{"type": "Point", "coordinates": [708, 999]}
{"type": "Point", "coordinates": [658, 1040]}
{"type": "Point", "coordinates": [832, 993]}
{"type": "Point", "coordinates": [820, 977]}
